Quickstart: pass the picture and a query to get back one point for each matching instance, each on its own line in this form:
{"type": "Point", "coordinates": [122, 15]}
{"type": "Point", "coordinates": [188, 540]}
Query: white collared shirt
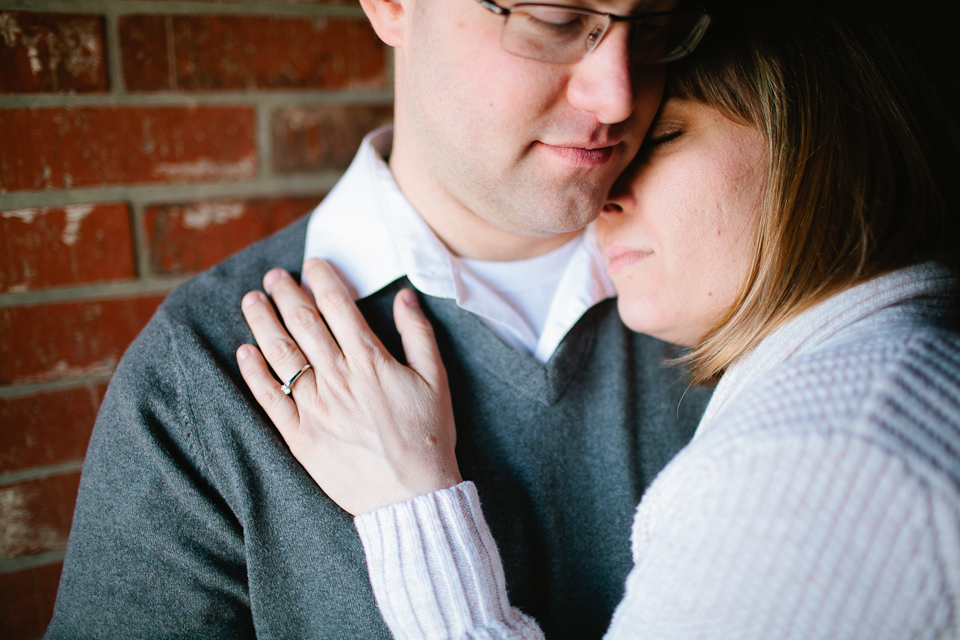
{"type": "Point", "coordinates": [368, 230]}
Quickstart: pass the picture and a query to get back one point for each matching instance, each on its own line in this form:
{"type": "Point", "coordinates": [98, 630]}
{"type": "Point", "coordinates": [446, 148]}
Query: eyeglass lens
{"type": "Point", "coordinates": [565, 34]}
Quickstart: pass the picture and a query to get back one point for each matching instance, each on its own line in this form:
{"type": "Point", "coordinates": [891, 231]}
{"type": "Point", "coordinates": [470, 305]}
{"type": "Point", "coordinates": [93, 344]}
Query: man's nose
{"type": "Point", "coordinates": [603, 82]}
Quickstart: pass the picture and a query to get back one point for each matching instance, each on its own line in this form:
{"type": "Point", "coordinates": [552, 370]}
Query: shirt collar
{"type": "Point", "coordinates": [368, 230]}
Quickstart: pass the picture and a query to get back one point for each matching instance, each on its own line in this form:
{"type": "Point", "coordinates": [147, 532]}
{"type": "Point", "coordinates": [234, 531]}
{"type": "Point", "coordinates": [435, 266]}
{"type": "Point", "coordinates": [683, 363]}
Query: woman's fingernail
{"type": "Point", "coordinates": [243, 352]}
{"type": "Point", "coordinates": [312, 262]}
{"type": "Point", "coordinates": [272, 276]}
{"type": "Point", "coordinates": [250, 298]}
{"type": "Point", "coordinates": [410, 298]}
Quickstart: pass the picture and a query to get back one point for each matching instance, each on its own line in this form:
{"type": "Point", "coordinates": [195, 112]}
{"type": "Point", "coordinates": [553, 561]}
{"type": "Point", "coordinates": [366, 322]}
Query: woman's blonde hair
{"type": "Point", "coordinates": [862, 156]}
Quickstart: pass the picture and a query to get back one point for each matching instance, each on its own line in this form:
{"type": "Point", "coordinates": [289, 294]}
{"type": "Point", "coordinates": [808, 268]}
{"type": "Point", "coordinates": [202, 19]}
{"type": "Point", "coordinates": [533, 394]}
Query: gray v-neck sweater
{"type": "Point", "coordinates": [194, 520]}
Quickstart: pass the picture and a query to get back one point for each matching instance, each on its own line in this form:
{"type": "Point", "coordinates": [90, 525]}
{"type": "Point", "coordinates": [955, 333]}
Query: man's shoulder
{"type": "Point", "coordinates": [201, 318]}
{"type": "Point", "coordinates": [213, 295]}
{"type": "Point", "coordinates": [185, 355]}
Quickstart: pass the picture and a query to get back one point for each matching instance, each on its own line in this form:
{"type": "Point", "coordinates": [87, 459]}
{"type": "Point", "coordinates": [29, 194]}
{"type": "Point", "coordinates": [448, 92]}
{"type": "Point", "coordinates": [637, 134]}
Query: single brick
{"type": "Point", "coordinates": [44, 52]}
{"type": "Point", "coordinates": [26, 601]}
{"type": "Point", "coordinates": [47, 428]}
{"type": "Point", "coordinates": [63, 148]}
{"type": "Point", "coordinates": [186, 238]}
{"type": "Point", "coordinates": [59, 246]}
{"type": "Point", "coordinates": [249, 52]}
{"type": "Point", "coordinates": [322, 138]}
{"type": "Point", "coordinates": [69, 340]}
{"type": "Point", "coordinates": [143, 49]}
{"type": "Point", "coordinates": [35, 516]}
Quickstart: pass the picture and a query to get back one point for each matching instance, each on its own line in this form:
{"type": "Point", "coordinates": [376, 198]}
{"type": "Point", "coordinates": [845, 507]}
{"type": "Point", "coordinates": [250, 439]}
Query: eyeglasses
{"type": "Point", "coordinates": [560, 33]}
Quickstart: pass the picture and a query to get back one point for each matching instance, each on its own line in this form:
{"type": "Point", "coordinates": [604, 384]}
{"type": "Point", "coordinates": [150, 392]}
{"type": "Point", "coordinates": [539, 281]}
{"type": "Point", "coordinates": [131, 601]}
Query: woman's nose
{"type": "Point", "coordinates": [612, 207]}
{"type": "Point", "coordinates": [621, 199]}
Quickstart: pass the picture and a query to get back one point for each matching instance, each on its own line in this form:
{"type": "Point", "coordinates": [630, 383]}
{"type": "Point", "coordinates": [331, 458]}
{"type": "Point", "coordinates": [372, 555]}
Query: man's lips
{"type": "Point", "coordinates": [586, 154]}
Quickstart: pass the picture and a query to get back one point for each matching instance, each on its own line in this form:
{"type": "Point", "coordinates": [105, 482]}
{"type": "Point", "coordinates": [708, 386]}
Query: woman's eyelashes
{"type": "Point", "coordinates": [660, 138]}
{"type": "Point", "coordinates": [655, 141]}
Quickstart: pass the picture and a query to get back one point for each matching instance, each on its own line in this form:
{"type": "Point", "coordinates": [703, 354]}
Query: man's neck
{"type": "Point", "coordinates": [465, 233]}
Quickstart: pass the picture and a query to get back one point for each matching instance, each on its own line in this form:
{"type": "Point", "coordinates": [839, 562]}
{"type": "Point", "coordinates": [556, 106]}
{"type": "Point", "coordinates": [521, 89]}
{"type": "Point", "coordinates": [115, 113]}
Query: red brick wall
{"type": "Point", "coordinates": [138, 148]}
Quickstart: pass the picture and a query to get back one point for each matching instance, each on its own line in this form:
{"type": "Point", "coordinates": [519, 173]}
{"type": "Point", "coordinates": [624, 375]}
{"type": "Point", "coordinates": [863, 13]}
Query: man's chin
{"type": "Point", "coordinates": [571, 213]}
{"type": "Point", "coordinates": [552, 206]}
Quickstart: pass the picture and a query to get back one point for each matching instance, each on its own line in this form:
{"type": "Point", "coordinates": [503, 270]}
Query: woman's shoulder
{"type": "Point", "coordinates": [891, 389]}
{"type": "Point", "coordinates": [861, 432]}
{"type": "Point", "coordinates": [894, 377]}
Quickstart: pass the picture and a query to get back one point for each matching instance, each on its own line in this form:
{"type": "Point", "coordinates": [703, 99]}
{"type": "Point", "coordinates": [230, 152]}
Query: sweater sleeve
{"type": "Point", "coordinates": [826, 537]}
{"type": "Point", "coordinates": [436, 572]}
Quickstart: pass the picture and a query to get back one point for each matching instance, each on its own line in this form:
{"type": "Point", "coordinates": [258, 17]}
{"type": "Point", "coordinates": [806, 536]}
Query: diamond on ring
{"type": "Point", "coordinates": [288, 387]}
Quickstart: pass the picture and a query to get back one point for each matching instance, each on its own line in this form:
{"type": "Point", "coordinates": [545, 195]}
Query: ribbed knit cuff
{"type": "Point", "coordinates": [434, 566]}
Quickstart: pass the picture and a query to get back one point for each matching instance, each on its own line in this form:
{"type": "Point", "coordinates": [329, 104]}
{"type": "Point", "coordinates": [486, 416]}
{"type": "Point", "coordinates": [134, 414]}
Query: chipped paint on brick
{"type": "Point", "coordinates": [9, 29]}
{"type": "Point", "coordinates": [25, 215]}
{"type": "Point", "coordinates": [52, 52]}
{"type": "Point", "coordinates": [75, 215]}
{"type": "Point", "coordinates": [62, 370]}
{"type": "Point", "coordinates": [18, 533]}
{"type": "Point", "coordinates": [58, 148]}
{"type": "Point", "coordinates": [80, 43]}
{"type": "Point", "coordinates": [204, 214]}
{"type": "Point", "coordinates": [56, 246]}
{"type": "Point", "coordinates": [206, 169]}
{"type": "Point", "coordinates": [191, 236]}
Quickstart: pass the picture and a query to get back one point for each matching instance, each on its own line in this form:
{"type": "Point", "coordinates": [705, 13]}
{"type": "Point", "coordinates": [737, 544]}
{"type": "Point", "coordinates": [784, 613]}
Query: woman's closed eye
{"type": "Point", "coordinates": [660, 138]}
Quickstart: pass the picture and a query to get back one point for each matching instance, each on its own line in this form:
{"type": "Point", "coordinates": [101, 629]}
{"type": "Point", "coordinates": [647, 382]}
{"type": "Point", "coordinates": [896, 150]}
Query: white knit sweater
{"type": "Point", "coordinates": [820, 497]}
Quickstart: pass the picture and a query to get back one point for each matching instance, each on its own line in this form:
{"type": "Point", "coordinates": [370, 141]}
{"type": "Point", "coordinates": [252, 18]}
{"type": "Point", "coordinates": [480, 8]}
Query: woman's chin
{"type": "Point", "coordinates": [638, 317]}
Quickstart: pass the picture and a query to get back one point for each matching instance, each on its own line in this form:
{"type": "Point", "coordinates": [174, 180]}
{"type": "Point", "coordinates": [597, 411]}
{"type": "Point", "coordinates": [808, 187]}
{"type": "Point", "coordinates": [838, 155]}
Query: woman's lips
{"type": "Point", "coordinates": [624, 258]}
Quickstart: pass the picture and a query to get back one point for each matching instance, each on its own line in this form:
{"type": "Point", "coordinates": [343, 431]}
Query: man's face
{"type": "Point", "coordinates": [530, 147]}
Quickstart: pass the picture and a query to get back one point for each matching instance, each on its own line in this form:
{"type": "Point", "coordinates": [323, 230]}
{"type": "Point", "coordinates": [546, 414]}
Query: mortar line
{"type": "Point", "coordinates": [114, 59]}
{"type": "Point", "coordinates": [14, 391]}
{"type": "Point", "coordinates": [141, 246]}
{"type": "Point", "coordinates": [32, 562]}
{"type": "Point", "coordinates": [265, 113]}
{"type": "Point", "coordinates": [40, 473]}
{"type": "Point", "coordinates": [139, 288]}
{"type": "Point", "coordinates": [304, 184]}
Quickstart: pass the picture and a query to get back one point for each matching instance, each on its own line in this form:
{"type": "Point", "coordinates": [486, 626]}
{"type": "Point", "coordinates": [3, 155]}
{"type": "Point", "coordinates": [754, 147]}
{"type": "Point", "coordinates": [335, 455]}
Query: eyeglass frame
{"type": "Point", "coordinates": [505, 12]}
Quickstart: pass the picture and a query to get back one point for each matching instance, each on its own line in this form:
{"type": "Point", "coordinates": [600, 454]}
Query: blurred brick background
{"type": "Point", "coordinates": [142, 141]}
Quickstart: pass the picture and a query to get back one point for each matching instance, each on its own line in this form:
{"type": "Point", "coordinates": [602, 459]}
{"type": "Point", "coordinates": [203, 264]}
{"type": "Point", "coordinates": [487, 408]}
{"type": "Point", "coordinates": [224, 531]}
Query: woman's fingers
{"type": "Point", "coordinates": [339, 311]}
{"type": "Point", "coordinates": [302, 320]}
{"type": "Point", "coordinates": [368, 440]}
{"type": "Point", "coordinates": [419, 341]}
{"type": "Point", "coordinates": [281, 409]}
{"type": "Point", "coordinates": [279, 349]}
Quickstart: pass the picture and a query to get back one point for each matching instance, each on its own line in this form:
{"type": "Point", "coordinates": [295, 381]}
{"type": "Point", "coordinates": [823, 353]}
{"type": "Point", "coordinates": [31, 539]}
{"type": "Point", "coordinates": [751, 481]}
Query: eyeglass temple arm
{"type": "Point", "coordinates": [493, 6]}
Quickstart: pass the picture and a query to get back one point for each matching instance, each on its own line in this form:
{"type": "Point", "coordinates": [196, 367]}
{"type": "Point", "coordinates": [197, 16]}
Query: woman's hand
{"type": "Point", "coordinates": [370, 431]}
